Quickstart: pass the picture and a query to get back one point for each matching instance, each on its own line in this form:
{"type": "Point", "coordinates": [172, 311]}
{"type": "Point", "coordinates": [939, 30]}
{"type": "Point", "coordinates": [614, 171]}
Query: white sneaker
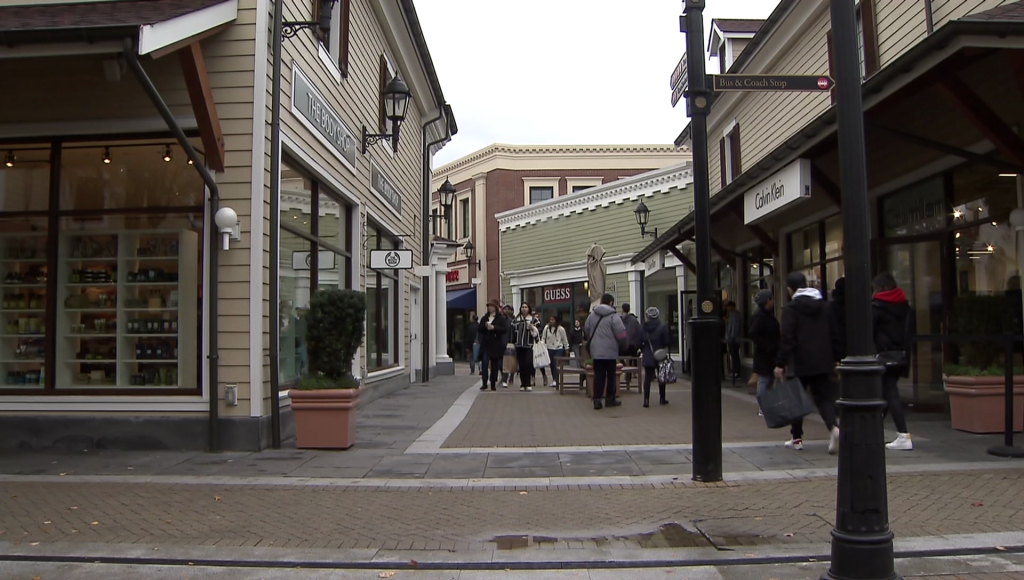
{"type": "Point", "coordinates": [554, 385]}
{"type": "Point", "coordinates": [504, 385]}
{"type": "Point", "coordinates": [833, 442]}
{"type": "Point", "coordinates": [760, 413]}
{"type": "Point", "coordinates": [529, 389]}
{"type": "Point", "coordinates": [902, 443]}
{"type": "Point", "coordinates": [795, 444]}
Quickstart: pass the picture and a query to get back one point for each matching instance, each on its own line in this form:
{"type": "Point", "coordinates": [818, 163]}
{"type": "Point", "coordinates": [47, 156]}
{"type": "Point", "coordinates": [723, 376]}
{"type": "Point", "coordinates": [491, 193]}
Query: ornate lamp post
{"type": "Point", "coordinates": [643, 216]}
{"type": "Point", "coordinates": [469, 249]}
{"type": "Point", "coordinates": [396, 105]}
{"type": "Point", "coordinates": [446, 197]}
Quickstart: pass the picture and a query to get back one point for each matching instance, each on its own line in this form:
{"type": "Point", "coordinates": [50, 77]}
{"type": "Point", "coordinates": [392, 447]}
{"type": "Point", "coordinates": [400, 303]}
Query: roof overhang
{"type": "Point", "coordinates": [824, 126]}
{"type": "Point", "coordinates": [155, 28]}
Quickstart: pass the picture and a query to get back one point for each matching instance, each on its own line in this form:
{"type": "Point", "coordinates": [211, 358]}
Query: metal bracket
{"type": "Point", "coordinates": [373, 138]}
{"type": "Point", "coordinates": [290, 29]}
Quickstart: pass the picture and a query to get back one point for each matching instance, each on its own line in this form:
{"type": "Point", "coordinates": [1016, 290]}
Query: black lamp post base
{"type": "Point", "coordinates": [861, 557]}
{"type": "Point", "coordinates": [1006, 451]}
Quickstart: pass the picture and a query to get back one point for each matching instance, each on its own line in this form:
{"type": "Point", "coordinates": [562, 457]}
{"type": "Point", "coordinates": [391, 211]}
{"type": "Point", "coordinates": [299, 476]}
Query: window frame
{"type": "Point", "coordinates": [396, 283]}
{"type": "Point", "coordinates": [465, 217]}
{"type": "Point", "coordinates": [528, 182]}
{"type": "Point", "coordinates": [730, 154]}
{"type": "Point", "coordinates": [571, 183]}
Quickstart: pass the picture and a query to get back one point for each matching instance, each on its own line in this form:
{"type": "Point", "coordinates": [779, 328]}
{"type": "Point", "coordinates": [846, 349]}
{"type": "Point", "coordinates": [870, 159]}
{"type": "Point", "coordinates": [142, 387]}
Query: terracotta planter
{"type": "Point", "coordinates": [976, 404]}
{"type": "Point", "coordinates": [325, 419]}
{"type": "Point", "coordinates": [590, 379]}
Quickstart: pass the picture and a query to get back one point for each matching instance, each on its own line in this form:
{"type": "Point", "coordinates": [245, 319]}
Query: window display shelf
{"type": "Point", "coordinates": [87, 336]}
{"type": "Point", "coordinates": [73, 310]}
{"type": "Point", "coordinates": [10, 285]}
{"type": "Point", "coordinates": [161, 284]}
{"type": "Point", "coordinates": [19, 361]}
{"type": "Point", "coordinates": [26, 335]}
{"type": "Point", "coordinates": [90, 260]}
{"type": "Point", "coordinates": [152, 361]}
{"type": "Point", "coordinates": [151, 258]}
{"type": "Point", "coordinates": [104, 361]}
{"type": "Point", "coordinates": [149, 309]}
{"type": "Point", "coordinates": [22, 310]}
{"type": "Point", "coordinates": [23, 260]}
{"type": "Point", "coordinates": [91, 284]}
{"type": "Point", "coordinates": [155, 335]}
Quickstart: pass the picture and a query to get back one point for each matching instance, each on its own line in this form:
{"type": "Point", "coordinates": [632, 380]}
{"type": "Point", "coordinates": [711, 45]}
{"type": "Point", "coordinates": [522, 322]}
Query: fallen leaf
{"type": "Point", "coordinates": [156, 549]}
{"type": "Point", "coordinates": [524, 493]}
{"type": "Point", "coordinates": [37, 578]}
{"type": "Point", "coordinates": [386, 575]}
{"type": "Point", "coordinates": [1001, 548]}
{"type": "Point", "coordinates": [788, 534]}
{"type": "Point", "coordinates": [216, 498]}
{"type": "Point", "coordinates": [413, 563]}
{"type": "Point", "coordinates": [47, 522]}
{"type": "Point", "coordinates": [63, 474]}
{"type": "Point", "coordinates": [34, 544]}
{"type": "Point", "coordinates": [95, 524]}
{"type": "Point", "coordinates": [758, 519]}
{"type": "Point", "coordinates": [167, 521]}
{"type": "Point", "coordinates": [74, 507]}
{"type": "Point", "coordinates": [977, 504]}
{"type": "Point", "coordinates": [74, 531]}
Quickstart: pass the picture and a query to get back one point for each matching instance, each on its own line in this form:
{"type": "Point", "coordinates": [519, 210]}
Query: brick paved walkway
{"type": "Point", "coordinates": [671, 515]}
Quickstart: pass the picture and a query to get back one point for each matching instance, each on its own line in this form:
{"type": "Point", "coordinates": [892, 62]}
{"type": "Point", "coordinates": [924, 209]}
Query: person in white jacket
{"type": "Point", "coordinates": [557, 343]}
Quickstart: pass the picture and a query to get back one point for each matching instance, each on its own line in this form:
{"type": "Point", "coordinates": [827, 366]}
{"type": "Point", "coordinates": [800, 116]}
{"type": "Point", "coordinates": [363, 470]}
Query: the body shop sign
{"type": "Point", "coordinates": [790, 185]}
{"type": "Point", "coordinates": [555, 294]}
{"type": "Point", "coordinates": [314, 112]}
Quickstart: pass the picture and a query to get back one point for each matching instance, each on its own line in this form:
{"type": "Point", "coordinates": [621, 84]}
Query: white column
{"type": "Point", "coordinates": [479, 234]}
{"type": "Point", "coordinates": [635, 289]}
{"type": "Point", "coordinates": [431, 305]}
{"type": "Point", "coordinates": [680, 288]}
{"type": "Point", "coordinates": [517, 298]}
{"type": "Point", "coordinates": [441, 304]}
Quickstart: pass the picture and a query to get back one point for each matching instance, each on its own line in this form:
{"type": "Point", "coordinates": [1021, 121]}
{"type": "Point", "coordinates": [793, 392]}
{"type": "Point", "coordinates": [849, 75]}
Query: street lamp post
{"type": "Point", "coordinates": [862, 543]}
{"type": "Point", "coordinates": [706, 391]}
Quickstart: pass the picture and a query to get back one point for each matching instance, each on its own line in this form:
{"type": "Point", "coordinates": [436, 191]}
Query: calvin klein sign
{"type": "Point", "coordinates": [789, 185]}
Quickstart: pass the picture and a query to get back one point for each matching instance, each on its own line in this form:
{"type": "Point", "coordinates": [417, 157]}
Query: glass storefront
{"type": "Point", "coordinates": [817, 251]}
{"type": "Point", "coordinates": [100, 271]}
{"type": "Point", "coordinates": [383, 293]}
{"type": "Point", "coordinates": [566, 302]}
{"type": "Point", "coordinates": [316, 252]}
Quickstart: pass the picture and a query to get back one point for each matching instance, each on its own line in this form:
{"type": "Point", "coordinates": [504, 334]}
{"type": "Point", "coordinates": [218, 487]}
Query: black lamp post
{"type": "Point", "coordinates": [470, 250]}
{"type": "Point", "coordinates": [396, 105]}
{"type": "Point", "coordinates": [643, 216]}
{"type": "Point", "coordinates": [862, 543]}
{"type": "Point", "coordinates": [446, 197]}
{"type": "Point", "coordinates": [706, 390]}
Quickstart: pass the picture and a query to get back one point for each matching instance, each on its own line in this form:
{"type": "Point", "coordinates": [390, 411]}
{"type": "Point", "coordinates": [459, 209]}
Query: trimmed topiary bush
{"type": "Point", "coordinates": [975, 315]}
{"type": "Point", "coordinates": [334, 332]}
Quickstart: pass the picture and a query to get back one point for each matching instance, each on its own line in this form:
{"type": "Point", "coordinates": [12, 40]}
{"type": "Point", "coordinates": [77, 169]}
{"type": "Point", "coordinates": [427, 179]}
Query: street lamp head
{"type": "Point", "coordinates": [324, 22]}
{"type": "Point", "coordinates": [396, 100]}
{"type": "Point", "coordinates": [469, 249]}
{"type": "Point", "coordinates": [446, 195]}
{"type": "Point", "coordinates": [643, 215]}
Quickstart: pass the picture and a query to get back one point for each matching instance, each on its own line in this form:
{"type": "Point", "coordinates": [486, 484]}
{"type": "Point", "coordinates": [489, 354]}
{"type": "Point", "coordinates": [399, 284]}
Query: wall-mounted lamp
{"type": "Point", "coordinates": [470, 250]}
{"type": "Point", "coordinates": [643, 215]}
{"type": "Point", "coordinates": [229, 226]}
{"type": "Point", "coordinates": [106, 156]}
{"type": "Point", "coordinates": [396, 105]}
{"type": "Point", "coordinates": [9, 159]}
{"type": "Point", "coordinates": [167, 154]}
{"type": "Point", "coordinates": [446, 197]}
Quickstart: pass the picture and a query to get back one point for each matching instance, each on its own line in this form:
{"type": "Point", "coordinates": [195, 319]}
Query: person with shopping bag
{"type": "Point", "coordinates": [764, 333]}
{"type": "Point", "coordinates": [810, 345]}
{"type": "Point", "coordinates": [525, 334]}
{"type": "Point", "coordinates": [654, 355]}
{"type": "Point", "coordinates": [557, 344]}
{"type": "Point", "coordinates": [509, 364]}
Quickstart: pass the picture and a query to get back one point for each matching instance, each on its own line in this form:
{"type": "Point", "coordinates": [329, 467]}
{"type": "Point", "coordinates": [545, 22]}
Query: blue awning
{"type": "Point", "coordinates": [462, 299]}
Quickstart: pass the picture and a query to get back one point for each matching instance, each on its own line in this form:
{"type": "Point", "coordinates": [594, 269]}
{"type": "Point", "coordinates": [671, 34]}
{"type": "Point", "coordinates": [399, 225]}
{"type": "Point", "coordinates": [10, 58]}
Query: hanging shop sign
{"type": "Point", "coordinates": [314, 112]}
{"type": "Point", "coordinates": [390, 259]}
{"type": "Point", "coordinates": [385, 189]}
{"type": "Point", "coordinates": [557, 294]}
{"type": "Point", "coordinates": [654, 263]}
{"type": "Point", "coordinates": [790, 185]}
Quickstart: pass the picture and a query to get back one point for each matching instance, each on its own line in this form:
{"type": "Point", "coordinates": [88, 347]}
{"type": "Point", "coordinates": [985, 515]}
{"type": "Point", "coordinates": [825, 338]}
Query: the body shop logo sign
{"type": "Point", "coordinates": [789, 185]}
{"type": "Point", "coordinates": [554, 294]}
{"type": "Point", "coordinates": [321, 118]}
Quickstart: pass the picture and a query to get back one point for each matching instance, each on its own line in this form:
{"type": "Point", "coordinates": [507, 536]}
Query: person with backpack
{"type": "Point", "coordinates": [605, 336]}
{"type": "Point", "coordinates": [654, 345]}
{"type": "Point", "coordinates": [892, 321]}
{"type": "Point", "coordinates": [809, 341]}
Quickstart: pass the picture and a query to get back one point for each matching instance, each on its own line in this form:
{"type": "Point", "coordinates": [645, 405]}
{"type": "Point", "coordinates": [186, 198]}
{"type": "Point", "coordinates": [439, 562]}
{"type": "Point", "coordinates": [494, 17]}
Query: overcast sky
{"type": "Point", "coordinates": [562, 71]}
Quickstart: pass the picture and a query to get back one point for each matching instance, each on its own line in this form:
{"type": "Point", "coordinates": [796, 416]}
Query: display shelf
{"type": "Point", "coordinates": [22, 336]}
{"type": "Point", "coordinates": [90, 260]}
{"type": "Point", "coordinates": [87, 310]}
{"type": "Point", "coordinates": [151, 361]}
{"type": "Point", "coordinates": [149, 309]}
{"type": "Point", "coordinates": [13, 286]}
{"type": "Point", "coordinates": [18, 361]}
{"type": "Point", "coordinates": [144, 335]}
{"type": "Point", "coordinates": [22, 310]}
{"type": "Point", "coordinates": [160, 284]}
{"type": "Point", "coordinates": [91, 284]}
{"type": "Point", "coordinates": [83, 361]}
{"type": "Point", "coordinates": [23, 261]}
{"type": "Point", "coordinates": [88, 336]}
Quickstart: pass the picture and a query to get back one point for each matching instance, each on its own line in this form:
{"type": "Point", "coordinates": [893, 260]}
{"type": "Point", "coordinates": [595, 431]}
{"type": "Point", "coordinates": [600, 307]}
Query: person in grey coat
{"type": "Point", "coordinates": [606, 335]}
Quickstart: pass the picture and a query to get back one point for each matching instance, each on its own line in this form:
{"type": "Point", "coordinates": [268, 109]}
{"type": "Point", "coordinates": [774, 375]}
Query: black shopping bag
{"type": "Point", "coordinates": [785, 402]}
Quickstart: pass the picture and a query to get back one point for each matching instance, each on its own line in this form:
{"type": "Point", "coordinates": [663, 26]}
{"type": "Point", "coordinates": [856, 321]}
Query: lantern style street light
{"type": "Point", "coordinates": [470, 250]}
{"type": "Point", "coordinates": [446, 197]}
{"type": "Point", "coordinates": [396, 105]}
{"type": "Point", "coordinates": [643, 216]}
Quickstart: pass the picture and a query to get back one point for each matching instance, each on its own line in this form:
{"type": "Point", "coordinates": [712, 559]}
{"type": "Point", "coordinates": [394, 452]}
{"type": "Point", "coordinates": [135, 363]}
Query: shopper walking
{"type": "Point", "coordinates": [509, 364]}
{"type": "Point", "coordinates": [524, 335]}
{"type": "Point", "coordinates": [557, 343]}
{"type": "Point", "coordinates": [492, 330]}
{"type": "Point", "coordinates": [891, 317]}
{"type": "Point", "coordinates": [576, 339]}
{"type": "Point", "coordinates": [810, 345]}
{"type": "Point", "coordinates": [606, 336]}
{"type": "Point", "coordinates": [764, 333]}
{"type": "Point", "coordinates": [473, 348]}
{"type": "Point", "coordinates": [654, 346]}
{"type": "Point", "coordinates": [733, 324]}
{"type": "Point", "coordinates": [634, 331]}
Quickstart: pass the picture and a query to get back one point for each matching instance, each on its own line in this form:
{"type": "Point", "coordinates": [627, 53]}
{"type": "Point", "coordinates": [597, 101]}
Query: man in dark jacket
{"type": "Point", "coordinates": [891, 318]}
{"type": "Point", "coordinates": [764, 333]}
{"type": "Point", "coordinates": [810, 343]}
{"type": "Point", "coordinates": [493, 328]}
{"type": "Point", "coordinates": [634, 332]}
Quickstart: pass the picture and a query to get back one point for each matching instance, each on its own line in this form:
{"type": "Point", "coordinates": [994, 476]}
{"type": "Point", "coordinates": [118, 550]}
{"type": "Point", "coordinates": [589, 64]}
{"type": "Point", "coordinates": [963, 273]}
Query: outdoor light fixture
{"type": "Point", "coordinates": [396, 104]}
{"type": "Point", "coordinates": [190, 161]}
{"type": "Point", "coordinates": [167, 154]}
{"type": "Point", "coordinates": [1007, 175]}
{"type": "Point", "coordinates": [445, 197]}
{"type": "Point", "coordinates": [9, 159]}
{"type": "Point", "coordinates": [470, 250]}
{"type": "Point", "coordinates": [321, 26]}
{"type": "Point", "coordinates": [106, 155]}
{"type": "Point", "coordinates": [227, 222]}
{"type": "Point", "coordinates": [643, 215]}
{"type": "Point", "coordinates": [957, 214]}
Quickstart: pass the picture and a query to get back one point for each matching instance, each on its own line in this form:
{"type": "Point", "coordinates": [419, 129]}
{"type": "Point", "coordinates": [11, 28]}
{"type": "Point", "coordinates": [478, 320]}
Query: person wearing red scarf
{"type": "Point", "coordinates": [890, 314]}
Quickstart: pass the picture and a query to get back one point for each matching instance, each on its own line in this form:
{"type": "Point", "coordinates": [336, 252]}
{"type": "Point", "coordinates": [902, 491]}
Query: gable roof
{"type": "Point", "coordinates": [737, 25]}
{"type": "Point", "coordinates": [1008, 12]}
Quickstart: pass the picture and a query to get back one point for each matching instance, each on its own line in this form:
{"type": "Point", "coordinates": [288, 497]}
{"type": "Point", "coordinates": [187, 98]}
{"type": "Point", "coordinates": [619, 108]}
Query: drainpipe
{"type": "Point", "coordinates": [425, 237]}
{"type": "Point", "coordinates": [211, 294]}
{"type": "Point", "coordinates": [275, 225]}
{"type": "Point", "coordinates": [929, 16]}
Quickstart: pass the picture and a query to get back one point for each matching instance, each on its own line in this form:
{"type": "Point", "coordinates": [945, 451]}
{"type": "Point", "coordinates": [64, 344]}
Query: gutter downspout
{"type": "Point", "coordinates": [275, 225]}
{"type": "Point", "coordinates": [425, 235]}
{"type": "Point", "coordinates": [211, 295]}
{"type": "Point", "coordinates": [929, 16]}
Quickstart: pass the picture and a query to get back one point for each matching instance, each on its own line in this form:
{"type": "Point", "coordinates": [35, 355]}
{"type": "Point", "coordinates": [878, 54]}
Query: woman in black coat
{"type": "Point", "coordinates": [655, 337]}
{"type": "Point", "coordinates": [493, 332]}
{"type": "Point", "coordinates": [765, 334]}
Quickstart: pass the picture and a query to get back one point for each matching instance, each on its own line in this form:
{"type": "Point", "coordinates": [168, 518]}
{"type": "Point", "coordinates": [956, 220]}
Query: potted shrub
{"type": "Point", "coordinates": [324, 401]}
{"type": "Point", "coordinates": [976, 386]}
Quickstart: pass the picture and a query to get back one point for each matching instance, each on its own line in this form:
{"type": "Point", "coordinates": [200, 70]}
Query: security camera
{"type": "Point", "coordinates": [227, 222]}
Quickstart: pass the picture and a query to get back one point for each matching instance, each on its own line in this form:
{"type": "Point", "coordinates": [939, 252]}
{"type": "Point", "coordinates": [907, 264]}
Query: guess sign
{"type": "Point", "coordinates": [557, 294]}
{"type": "Point", "coordinates": [451, 276]}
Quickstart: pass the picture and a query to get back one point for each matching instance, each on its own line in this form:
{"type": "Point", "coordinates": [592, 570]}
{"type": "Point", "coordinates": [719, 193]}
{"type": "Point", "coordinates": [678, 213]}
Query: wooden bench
{"type": "Point", "coordinates": [571, 374]}
{"type": "Point", "coordinates": [630, 367]}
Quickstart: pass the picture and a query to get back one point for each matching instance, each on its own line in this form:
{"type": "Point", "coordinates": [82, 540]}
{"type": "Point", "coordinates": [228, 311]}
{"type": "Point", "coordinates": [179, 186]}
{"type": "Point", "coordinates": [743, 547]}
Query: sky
{"type": "Point", "coordinates": [562, 71]}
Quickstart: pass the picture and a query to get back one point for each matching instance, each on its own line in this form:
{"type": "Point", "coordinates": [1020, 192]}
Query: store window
{"type": "Point", "coordinates": [539, 194]}
{"type": "Point", "coordinates": [315, 252]}
{"type": "Point", "coordinates": [817, 252]}
{"type": "Point", "coordinates": [465, 218]}
{"type": "Point", "coordinates": [383, 293]}
{"type": "Point", "coordinates": [101, 290]}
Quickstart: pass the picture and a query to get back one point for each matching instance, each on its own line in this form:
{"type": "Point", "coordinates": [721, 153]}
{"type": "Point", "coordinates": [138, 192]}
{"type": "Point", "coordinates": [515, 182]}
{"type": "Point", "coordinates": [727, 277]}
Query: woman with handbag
{"type": "Point", "coordinates": [557, 343]}
{"type": "Point", "coordinates": [524, 335]}
{"type": "Point", "coordinates": [654, 353]}
{"type": "Point", "coordinates": [890, 315]}
{"type": "Point", "coordinates": [492, 333]}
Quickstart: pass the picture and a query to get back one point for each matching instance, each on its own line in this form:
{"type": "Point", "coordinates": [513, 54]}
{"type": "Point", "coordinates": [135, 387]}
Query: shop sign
{"type": "Point", "coordinates": [917, 210]}
{"type": "Point", "coordinates": [385, 188]}
{"type": "Point", "coordinates": [790, 185]}
{"type": "Point", "coordinates": [390, 259]}
{"type": "Point", "coordinates": [459, 275]}
{"type": "Point", "coordinates": [304, 260]}
{"type": "Point", "coordinates": [654, 263]}
{"type": "Point", "coordinates": [556, 294]}
{"type": "Point", "coordinates": [322, 119]}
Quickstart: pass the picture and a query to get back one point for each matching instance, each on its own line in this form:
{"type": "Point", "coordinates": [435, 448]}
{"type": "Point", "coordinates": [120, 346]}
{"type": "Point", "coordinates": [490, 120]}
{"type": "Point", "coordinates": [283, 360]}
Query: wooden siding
{"type": "Point", "coordinates": [901, 24]}
{"type": "Point", "coordinates": [946, 10]}
{"type": "Point", "coordinates": [567, 239]}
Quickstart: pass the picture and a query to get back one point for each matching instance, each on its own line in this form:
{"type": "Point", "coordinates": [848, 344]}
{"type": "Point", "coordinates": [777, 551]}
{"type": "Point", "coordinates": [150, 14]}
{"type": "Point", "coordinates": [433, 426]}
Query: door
{"type": "Point", "coordinates": [415, 343]}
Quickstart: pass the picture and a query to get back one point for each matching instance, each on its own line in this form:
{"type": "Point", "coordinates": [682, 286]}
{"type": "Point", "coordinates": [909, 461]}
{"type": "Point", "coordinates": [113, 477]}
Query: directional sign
{"type": "Point", "coordinates": [390, 259]}
{"type": "Point", "coordinates": [810, 83]}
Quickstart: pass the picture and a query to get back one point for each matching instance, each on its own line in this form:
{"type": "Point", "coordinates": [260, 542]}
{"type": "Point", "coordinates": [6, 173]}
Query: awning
{"type": "Point", "coordinates": [462, 299]}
